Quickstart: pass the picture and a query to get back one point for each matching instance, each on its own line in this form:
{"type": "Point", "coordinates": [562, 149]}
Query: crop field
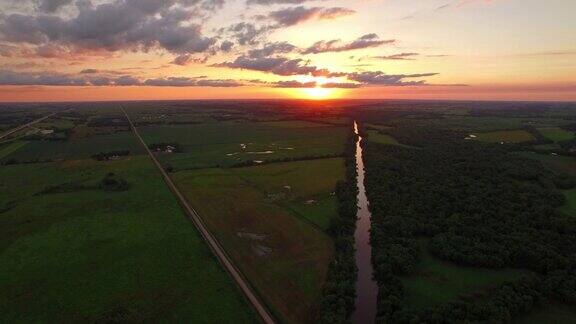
{"type": "Point", "coordinates": [556, 134]}
{"type": "Point", "coordinates": [80, 148]}
{"type": "Point", "coordinates": [73, 252]}
{"type": "Point", "coordinates": [264, 217]}
{"type": "Point", "coordinates": [229, 143]}
{"type": "Point", "coordinates": [436, 281]}
{"type": "Point", "coordinates": [506, 136]}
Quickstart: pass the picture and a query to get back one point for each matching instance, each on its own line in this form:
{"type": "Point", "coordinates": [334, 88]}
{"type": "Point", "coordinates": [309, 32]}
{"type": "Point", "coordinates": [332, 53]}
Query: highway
{"type": "Point", "coordinates": [21, 127]}
{"type": "Point", "coordinates": [216, 248]}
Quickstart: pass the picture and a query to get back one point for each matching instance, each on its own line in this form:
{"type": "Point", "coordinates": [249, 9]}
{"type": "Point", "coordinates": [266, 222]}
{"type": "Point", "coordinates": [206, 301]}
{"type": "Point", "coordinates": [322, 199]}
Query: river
{"type": "Point", "coordinates": [366, 287]}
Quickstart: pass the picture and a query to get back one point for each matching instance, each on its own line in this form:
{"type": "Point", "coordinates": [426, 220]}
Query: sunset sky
{"type": "Point", "coordinates": [61, 50]}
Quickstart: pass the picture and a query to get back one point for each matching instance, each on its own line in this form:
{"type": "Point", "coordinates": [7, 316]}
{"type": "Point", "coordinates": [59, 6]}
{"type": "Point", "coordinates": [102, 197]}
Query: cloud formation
{"type": "Point", "coordinates": [275, 65]}
{"type": "Point", "coordinates": [296, 15]}
{"type": "Point", "coordinates": [397, 57]}
{"type": "Point", "coordinates": [87, 78]}
{"type": "Point", "coordinates": [113, 26]}
{"type": "Point", "coordinates": [336, 45]}
{"type": "Point", "coordinates": [383, 79]}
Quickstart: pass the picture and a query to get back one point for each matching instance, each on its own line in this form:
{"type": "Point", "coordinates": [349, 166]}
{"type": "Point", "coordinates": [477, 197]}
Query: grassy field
{"type": "Point", "coordinates": [506, 136]}
{"type": "Point", "coordinates": [437, 281]}
{"type": "Point", "coordinates": [10, 147]}
{"type": "Point", "coordinates": [89, 255]}
{"type": "Point", "coordinates": [80, 148]}
{"type": "Point", "coordinates": [376, 137]}
{"type": "Point", "coordinates": [261, 217]}
{"type": "Point", "coordinates": [570, 206]}
{"type": "Point", "coordinates": [556, 134]}
{"type": "Point", "coordinates": [229, 143]}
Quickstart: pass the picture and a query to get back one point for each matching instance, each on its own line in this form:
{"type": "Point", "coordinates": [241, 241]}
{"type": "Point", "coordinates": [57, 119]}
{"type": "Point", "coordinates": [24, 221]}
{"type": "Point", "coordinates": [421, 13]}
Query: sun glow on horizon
{"type": "Point", "coordinates": [319, 93]}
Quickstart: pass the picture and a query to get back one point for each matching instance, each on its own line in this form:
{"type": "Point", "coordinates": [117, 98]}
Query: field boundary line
{"type": "Point", "coordinates": [240, 280]}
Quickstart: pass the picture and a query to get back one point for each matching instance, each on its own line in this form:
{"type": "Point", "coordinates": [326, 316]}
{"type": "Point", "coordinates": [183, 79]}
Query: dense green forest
{"type": "Point", "coordinates": [478, 205]}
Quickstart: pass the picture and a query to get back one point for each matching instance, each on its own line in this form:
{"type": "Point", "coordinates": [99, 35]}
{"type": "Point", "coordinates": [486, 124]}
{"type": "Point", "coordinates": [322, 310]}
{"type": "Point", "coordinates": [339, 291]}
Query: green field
{"type": "Point", "coordinates": [80, 148]}
{"type": "Point", "coordinates": [377, 137]}
{"type": "Point", "coordinates": [89, 255]}
{"type": "Point", "coordinates": [570, 206]}
{"type": "Point", "coordinates": [264, 218]}
{"type": "Point", "coordinates": [506, 136]}
{"type": "Point", "coordinates": [10, 147]}
{"type": "Point", "coordinates": [556, 134]}
{"type": "Point", "coordinates": [229, 143]}
{"type": "Point", "coordinates": [436, 281]}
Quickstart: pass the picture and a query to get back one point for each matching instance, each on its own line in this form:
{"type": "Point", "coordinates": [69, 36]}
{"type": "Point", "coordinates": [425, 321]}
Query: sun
{"type": "Point", "coordinates": [318, 93]}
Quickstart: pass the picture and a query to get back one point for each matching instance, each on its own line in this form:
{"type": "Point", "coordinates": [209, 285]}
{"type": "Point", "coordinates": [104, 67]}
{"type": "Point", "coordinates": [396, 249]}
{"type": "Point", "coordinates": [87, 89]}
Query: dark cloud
{"type": "Point", "coordinates": [126, 80]}
{"type": "Point", "coordinates": [52, 5]}
{"type": "Point", "coordinates": [113, 26]}
{"type": "Point", "coordinates": [188, 59]}
{"type": "Point", "coordinates": [226, 46]}
{"type": "Point", "coordinates": [271, 49]}
{"type": "Point", "coordinates": [89, 71]}
{"type": "Point", "coordinates": [341, 85]}
{"type": "Point", "coordinates": [335, 45]}
{"type": "Point", "coordinates": [276, 65]}
{"type": "Point", "coordinates": [397, 57]}
{"type": "Point", "coordinates": [275, 2]}
{"type": "Point", "coordinates": [296, 15]}
{"type": "Point", "coordinates": [383, 79]}
{"type": "Point", "coordinates": [293, 84]}
{"type": "Point", "coordinates": [246, 33]}
{"type": "Point", "coordinates": [89, 77]}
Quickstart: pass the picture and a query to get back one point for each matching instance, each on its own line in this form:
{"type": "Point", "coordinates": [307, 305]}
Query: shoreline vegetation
{"type": "Point", "coordinates": [338, 296]}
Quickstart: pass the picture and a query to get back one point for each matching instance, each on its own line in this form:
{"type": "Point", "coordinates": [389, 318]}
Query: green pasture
{"type": "Point", "coordinates": [436, 281]}
{"type": "Point", "coordinates": [89, 255]}
{"type": "Point", "coordinates": [556, 134]}
{"type": "Point", "coordinates": [79, 148]}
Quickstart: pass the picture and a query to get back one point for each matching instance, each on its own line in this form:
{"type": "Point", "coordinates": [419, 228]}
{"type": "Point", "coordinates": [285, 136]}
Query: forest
{"type": "Point", "coordinates": [479, 205]}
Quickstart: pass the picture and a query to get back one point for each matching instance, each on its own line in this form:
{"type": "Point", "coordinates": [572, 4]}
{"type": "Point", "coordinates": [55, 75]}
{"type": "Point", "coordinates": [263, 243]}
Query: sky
{"type": "Point", "coordinates": [86, 50]}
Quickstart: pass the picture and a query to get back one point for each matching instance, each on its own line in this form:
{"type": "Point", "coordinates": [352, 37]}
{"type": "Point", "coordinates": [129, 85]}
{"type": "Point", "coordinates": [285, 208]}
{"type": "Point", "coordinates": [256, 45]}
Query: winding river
{"type": "Point", "coordinates": [366, 286]}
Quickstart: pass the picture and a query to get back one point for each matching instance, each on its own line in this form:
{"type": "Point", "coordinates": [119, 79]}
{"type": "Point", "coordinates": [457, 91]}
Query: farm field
{"type": "Point", "coordinates": [229, 143]}
{"type": "Point", "coordinates": [263, 217]}
{"type": "Point", "coordinates": [75, 149]}
{"type": "Point", "coordinates": [71, 251]}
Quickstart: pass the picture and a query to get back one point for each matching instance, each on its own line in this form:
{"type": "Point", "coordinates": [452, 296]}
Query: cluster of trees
{"type": "Point", "coordinates": [481, 206]}
{"type": "Point", "coordinates": [105, 156]}
{"type": "Point", "coordinates": [339, 292]}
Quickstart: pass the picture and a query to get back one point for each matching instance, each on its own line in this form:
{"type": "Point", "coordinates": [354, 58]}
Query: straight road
{"type": "Point", "coordinates": [21, 127]}
{"type": "Point", "coordinates": [224, 259]}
